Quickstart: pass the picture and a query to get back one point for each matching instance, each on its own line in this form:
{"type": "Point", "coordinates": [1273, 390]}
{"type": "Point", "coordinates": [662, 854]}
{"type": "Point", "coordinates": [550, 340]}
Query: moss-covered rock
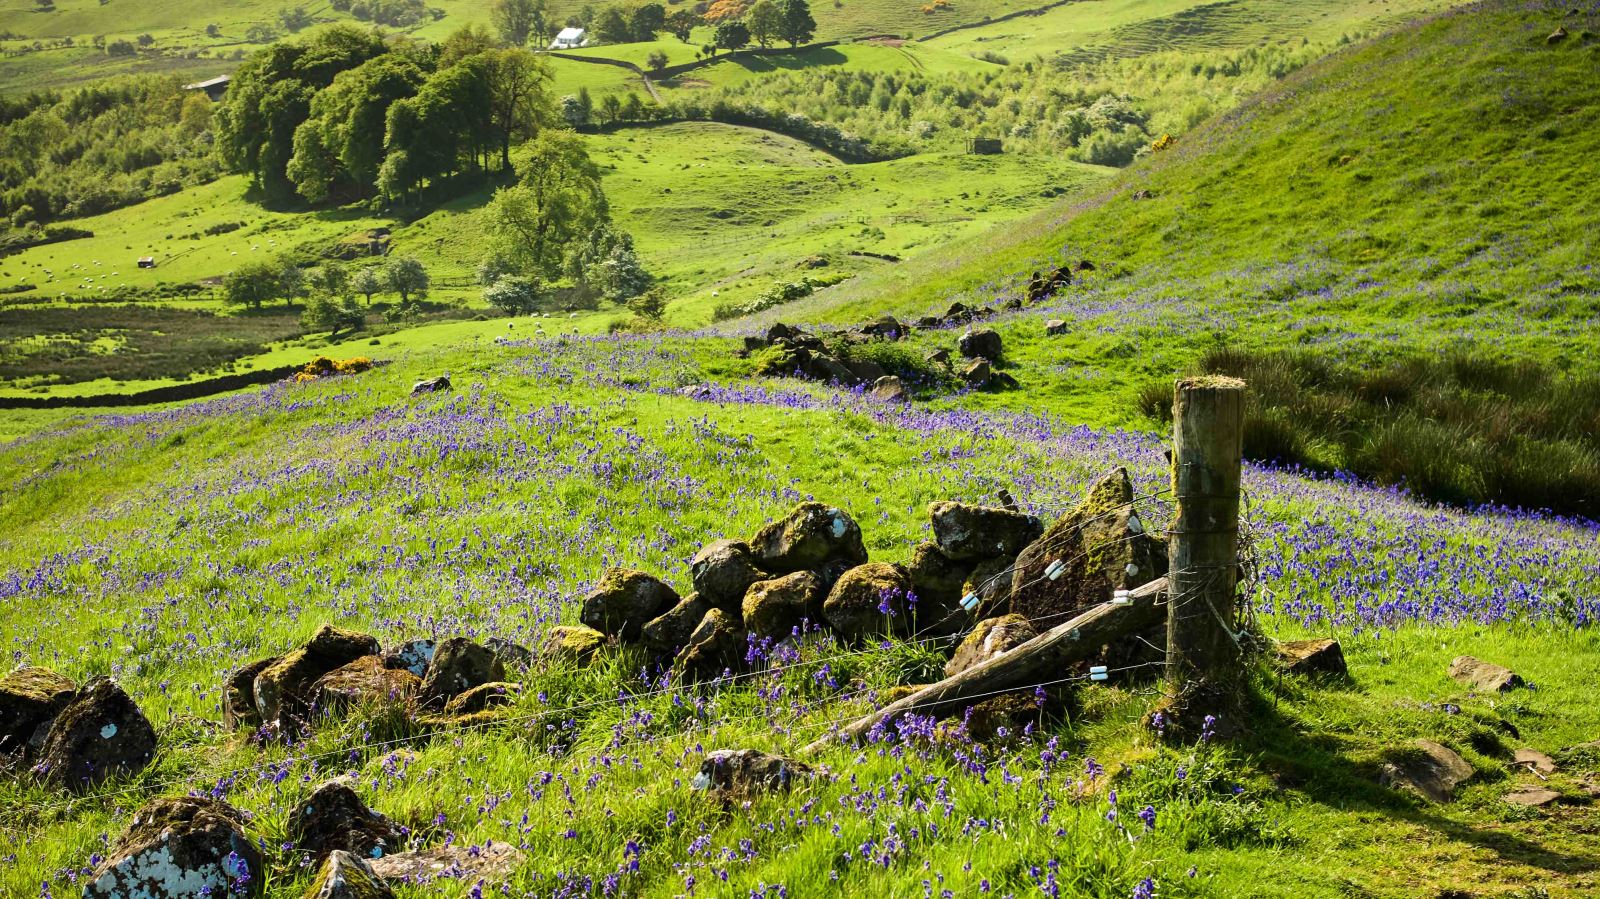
{"type": "Point", "coordinates": [624, 601]}
{"type": "Point", "coordinates": [723, 571]}
{"type": "Point", "coordinates": [745, 773]}
{"type": "Point", "coordinates": [345, 875]}
{"type": "Point", "coordinates": [183, 846]}
{"type": "Point", "coordinates": [991, 637]}
{"type": "Point", "coordinates": [30, 697]}
{"type": "Point", "coordinates": [969, 533]}
{"type": "Point", "coordinates": [100, 734]}
{"type": "Point", "coordinates": [870, 600]}
{"type": "Point", "coordinates": [335, 818]}
{"type": "Point", "coordinates": [1103, 546]}
{"type": "Point", "coordinates": [717, 644]}
{"type": "Point", "coordinates": [239, 697]}
{"type": "Point", "coordinates": [990, 581]}
{"type": "Point", "coordinates": [366, 681]}
{"type": "Point", "coordinates": [668, 633]}
{"type": "Point", "coordinates": [773, 608]}
{"type": "Point", "coordinates": [459, 664]}
{"type": "Point", "coordinates": [808, 537]}
{"type": "Point", "coordinates": [283, 690]}
{"type": "Point", "coordinates": [571, 645]}
{"type": "Point", "coordinates": [482, 698]}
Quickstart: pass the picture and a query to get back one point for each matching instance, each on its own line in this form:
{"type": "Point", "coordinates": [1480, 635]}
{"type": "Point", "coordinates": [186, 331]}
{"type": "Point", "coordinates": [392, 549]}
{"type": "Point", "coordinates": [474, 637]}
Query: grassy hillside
{"type": "Point", "coordinates": [169, 546]}
{"type": "Point", "coordinates": [1419, 191]}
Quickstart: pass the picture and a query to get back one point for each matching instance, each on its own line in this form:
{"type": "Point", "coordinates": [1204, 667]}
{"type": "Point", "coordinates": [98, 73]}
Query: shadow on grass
{"type": "Point", "coordinates": [1310, 765]}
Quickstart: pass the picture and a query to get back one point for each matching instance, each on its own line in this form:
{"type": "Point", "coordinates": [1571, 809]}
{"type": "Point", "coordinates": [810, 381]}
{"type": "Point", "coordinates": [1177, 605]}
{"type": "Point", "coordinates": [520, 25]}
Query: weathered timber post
{"type": "Point", "coordinates": [1204, 666]}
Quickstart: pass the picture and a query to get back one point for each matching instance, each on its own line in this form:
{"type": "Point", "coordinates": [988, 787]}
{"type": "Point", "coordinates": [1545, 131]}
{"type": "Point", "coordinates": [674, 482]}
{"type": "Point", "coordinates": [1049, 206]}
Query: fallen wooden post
{"type": "Point", "coordinates": [1043, 659]}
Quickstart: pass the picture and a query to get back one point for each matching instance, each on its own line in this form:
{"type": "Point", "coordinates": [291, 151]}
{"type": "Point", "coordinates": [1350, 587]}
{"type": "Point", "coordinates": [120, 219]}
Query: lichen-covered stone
{"type": "Point", "coordinates": [977, 374]}
{"type": "Point", "coordinates": [889, 389]}
{"type": "Point", "coordinates": [938, 583]}
{"type": "Point", "coordinates": [1323, 657]}
{"type": "Point", "coordinates": [571, 644]}
{"type": "Point", "coordinates": [344, 875]}
{"type": "Point", "coordinates": [1484, 675]}
{"type": "Point", "coordinates": [334, 817]}
{"type": "Point", "coordinates": [718, 644]}
{"type": "Point", "coordinates": [483, 698]}
{"type": "Point", "coordinates": [870, 600]}
{"type": "Point", "coordinates": [1104, 547]}
{"type": "Point", "coordinates": [30, 697]}
{"type": "Point", "coordinates": [774, 608]}
{"type": "Point", "coordinates": [366, 681]}
{"type": "Point", "coordinates": [991, 637]}
{"type": "Point", "coordinates": [513, 656]}
{"type": "Point", "coordinates": [412, 656]}
{"type": "Point", "coordinates": [970, 533]}
{"type": "Point", "coordinates": [723, 571]}
{"type": "Point", "coordinates": [668, 633]}
{"type": "Point", "coordinates": [239, 695]}
{"type": "Point", "coordinates": [990, 581]}
{"type": "Point", "coordinates": [743, 773]}
{"type": "Point", "coordinates": [1431, 770]}
{"type": "Point", "coordinates": [459, 664]}
{"type": "Point", "coordinates": [184, 846]}
{"type": "Point", "coordinates": [100, 733]}
{"type": "Point", "coordinates": [624, 601]}
{"type": "Point", "coordinates": [490, 862]}
{"type": "Point", "coordinates": [808, 537]}
{"type": "Point", "coordinates": [283, 690]}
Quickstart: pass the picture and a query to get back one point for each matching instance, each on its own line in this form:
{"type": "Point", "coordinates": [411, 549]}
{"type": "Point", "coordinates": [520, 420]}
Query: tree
{"type": "Point", "coordinates": [331, 279]}
{"type": "Point", "coordinates": [146, 41]}
{"type": "Point", "coordinates": [731, 35]}
{"type": "Point", "coordinates": [407, 277]}
{"type": "Point", "coordinates": [682, 24]}
{"type": "Point", "coordinates": [798, 25]}
{"type": "Point", "coordinates": [519, 105]}
{"type": "Point", "coordinates": [339, 148]}
{"type": "Point", "coordinates": [255, 283]}
{"type": "Point", "coordinates": [656, 61]}
{"type": "Point", "coordinates": [724, 10]}
{"type": "Point", "coordinates": [557, 199]}
{"type": "Point", "coordinates": [605, 263]}
{"type": "Point", "coordinates": [294, 18]}
{"type": "Point", "coordinates": [611, 108]}
{"type": "Point", "coordinates": [650, 305]}
{"type": "Point", "coordinates": [333, 315]}
{"type": "Point", "coordinates": [121, 48]}
{"type": "Point", "coordinates": [764, 21]}
{"type": "Point", "coordinates": [612, 26]}
{"type": "Point", "coordinates": [518, 20]}
{"type": "Point", "coordinates": [514, 294]}
{"type": "Point", "coordinates": [573, 112]}
{"type": "Point", "coordinates": [468, 40]}
{"type": "Point", "coordinates": [646, 19]}
{"type": "Point", "coordinates": [367, 281]}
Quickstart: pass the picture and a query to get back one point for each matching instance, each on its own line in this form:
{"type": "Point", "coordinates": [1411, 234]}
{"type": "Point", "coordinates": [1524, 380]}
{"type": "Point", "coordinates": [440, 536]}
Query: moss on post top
{"type": "Point", "coordinates": [1210, 382]}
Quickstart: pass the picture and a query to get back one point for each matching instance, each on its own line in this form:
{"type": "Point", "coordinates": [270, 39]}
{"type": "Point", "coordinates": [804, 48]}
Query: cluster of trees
{"type": "Point", "coordinates": [100, 148]}
{"type": "Point", "coordinates": [348, 114]}
{"type": "Point", "coordinates": [330, 290]}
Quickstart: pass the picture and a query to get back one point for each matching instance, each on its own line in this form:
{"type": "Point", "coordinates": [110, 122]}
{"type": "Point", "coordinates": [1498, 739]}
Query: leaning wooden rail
{"type": "Point", "coordinates": [1045, 657]}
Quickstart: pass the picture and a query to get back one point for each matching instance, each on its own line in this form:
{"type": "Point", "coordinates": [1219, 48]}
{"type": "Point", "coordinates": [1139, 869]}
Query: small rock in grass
{"type": "Point", "coordinates": [668, 633]}
{"type": "Point", "coordinates": [283, 690]}
{"type": "Point", "coordinates": [623, 601]}
{"type": "Point", "coordinates": [889, 389]}
{"type": "Point", "coordinates": [347, 876]}
{"type": "Point", "coordinates": [431, 385]}
{"type": "Point", "coordinates": [1055, 327]}
{"type": "Point", "coordinates": [983, 343]}
{"type": "Point", "coordinates": [1434, 771]}
{"type": "Point", "coordinates": [459, 665]}
{"type": "Point", "coordinates": [978, 374]}
{"type": "Point", "coordinates": [808, 537]}
{"type": "Point", "coordinates": [773, 608]}
{"type": "Point", "coordinates": [1484, 675]}
{"type": "Point", "coordinates": [239, 697]}
{"type": "Point", "coordinates": [100, 734]}
{"type": "Point", "coordinates": [30, 697]}
{"type": "Point", "coordinates": [1534, 760]}
{"type": "Point", "coordinates": [992, 637]}
{"type": "Point", "coordinates": [747, 772]}
{"type": "Point", "coordinates": [870, 600]}
{"type": "Point", "coordinates": [335, 818]}
{"type": "Point", "coordinates": [571, 644]}
{"type": "Point", "coordinates": [182, 846]}
{"type": "Point", "coordinates": [723, 571]}
{"type": "Point", "coordinates": [1529, 796]}
{"type": "Point", "coordinates": [491, 862]}
{"type": "Point", "coordinates": [1323, 657]}
{"type": "Point", "coordinates": [969, 533]}
{"type": "Point", "coordinates": [937, 357]}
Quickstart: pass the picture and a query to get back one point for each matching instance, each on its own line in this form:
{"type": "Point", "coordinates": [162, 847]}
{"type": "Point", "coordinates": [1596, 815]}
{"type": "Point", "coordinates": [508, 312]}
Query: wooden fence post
{"type": "Point", "coordinates": [1204, 671]}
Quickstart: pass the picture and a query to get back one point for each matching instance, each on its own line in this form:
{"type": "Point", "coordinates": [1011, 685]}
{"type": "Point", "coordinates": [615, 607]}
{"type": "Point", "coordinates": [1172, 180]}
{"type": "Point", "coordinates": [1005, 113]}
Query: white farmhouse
{"type": "Point", "coordinates": [568, 39]}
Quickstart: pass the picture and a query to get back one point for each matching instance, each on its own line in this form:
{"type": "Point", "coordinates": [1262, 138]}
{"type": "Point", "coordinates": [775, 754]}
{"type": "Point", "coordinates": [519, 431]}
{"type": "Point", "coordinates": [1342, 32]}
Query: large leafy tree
{"type": "Point", "coordinates": [765, 22]}
{"type": "Point", "coordinates": [731, 35]}
{"type": "Point", "coordinates": [407, 277]}
{"type": "Point", "coordinates": [646, 19]}
{"type": "Point", "coordinates": [682, 24]}
{"type": "Point", "coordinates": [798, 27]}
{"type": "Point", "coordinates": [339, 149]}
{"type": "Point", "coordinates": [556, 200]}
{"type": "Point", "coordinates": [519, 20]}
{"type": "Point", "coordinates": [519, 103]}
{"type": "Point", "coordinates": [271, 94]}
